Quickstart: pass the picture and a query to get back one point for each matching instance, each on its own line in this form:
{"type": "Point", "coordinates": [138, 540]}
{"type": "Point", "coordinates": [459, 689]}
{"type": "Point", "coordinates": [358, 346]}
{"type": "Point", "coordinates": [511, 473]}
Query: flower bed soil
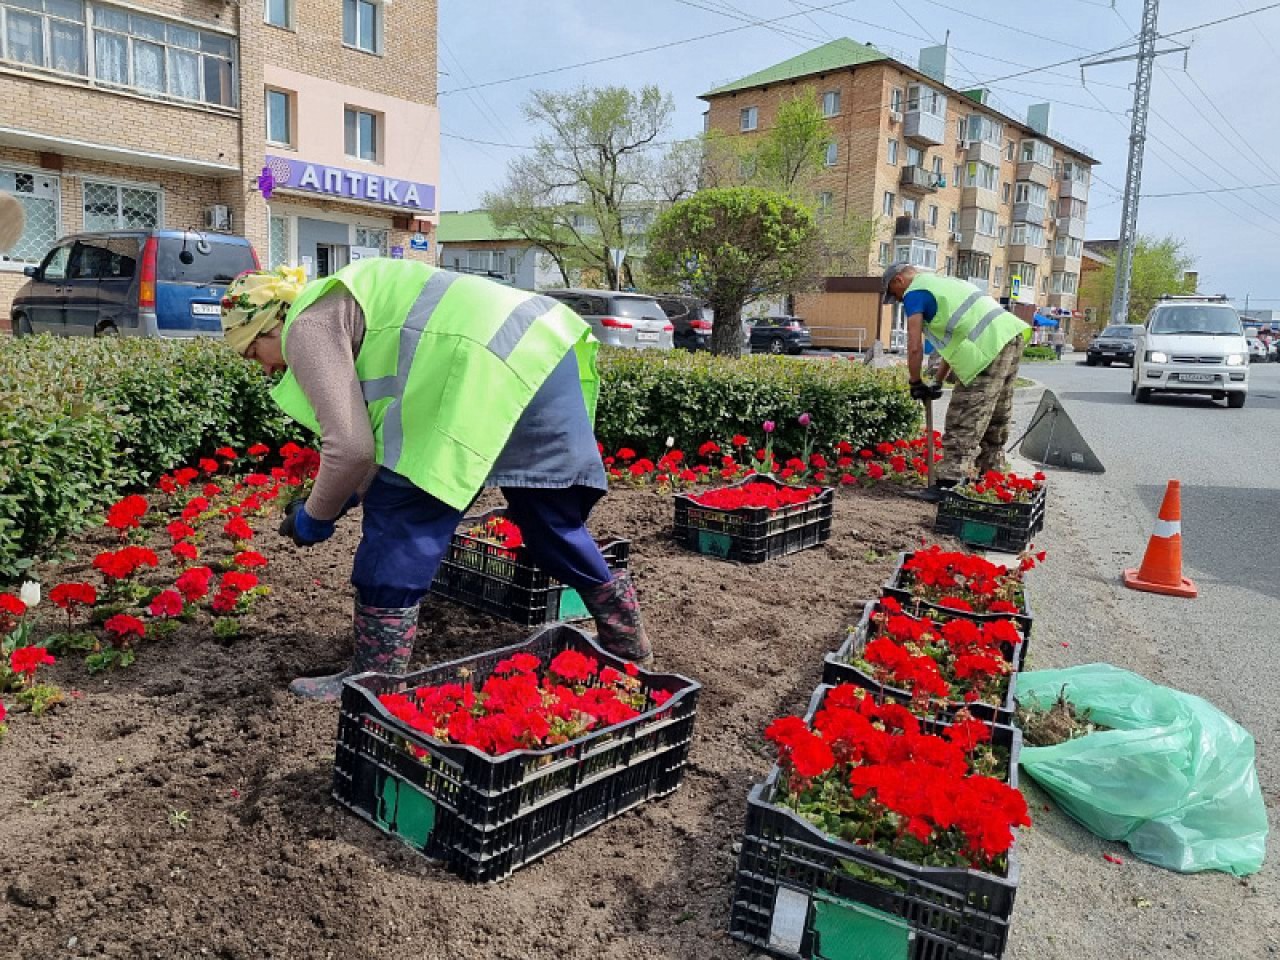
{"type": "Point", "coordinates": [181, 808]}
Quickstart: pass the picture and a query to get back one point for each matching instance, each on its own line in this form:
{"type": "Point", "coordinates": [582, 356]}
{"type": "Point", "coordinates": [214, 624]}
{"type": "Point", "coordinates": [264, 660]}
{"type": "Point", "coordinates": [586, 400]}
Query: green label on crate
{"type": "Point", "coordinates": [983, 534]}
{"type": "Point", "coordinates": [843, 930]}
{"type": "Point", "coordinates": [404, 811]}
{"type": "Point", "coordinates": [714, 544]}
{"type": "Point", "coordinates": [571, 605]}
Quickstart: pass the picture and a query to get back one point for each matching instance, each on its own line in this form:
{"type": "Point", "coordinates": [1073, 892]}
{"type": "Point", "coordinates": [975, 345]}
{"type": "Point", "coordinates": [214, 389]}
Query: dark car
{"type": "Point", "coordinates": [780, 335]}
{"type": "Point", "coordinates": [693, 321]}
{"type": "Point", "coordinates": [1112, 345]}
{"type": "Point", "coordinates": [147, 283]}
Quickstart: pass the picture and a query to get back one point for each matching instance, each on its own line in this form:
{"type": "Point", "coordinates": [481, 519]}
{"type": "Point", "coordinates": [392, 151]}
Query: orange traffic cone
{"type": "Point", "coordinates": [1161, 570]}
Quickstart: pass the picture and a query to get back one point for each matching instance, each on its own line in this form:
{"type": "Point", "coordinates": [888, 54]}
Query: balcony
{"type": "Point", "coordinates": [919, 180]}
{"type": "Point", "coordinates": [927, 128]}
{"type": "Point", "coordinates": [1065, 264]}
{"type": "Point", "coordinates": [982, 283]}
{"type": "Point", "coordinates": [1073, 189]}
{"type": "Point", "coordinates": [979, 197]}
{"type": "Point", "coordinates": [1029, 213]}
{"type": "Point", "coordinates": [1071, 227]}
{"type": "Point", "coordinates": [1035, 172]}
{"type": "Point", "coordinates": [912, 227]}
{"type": "Point", "coordinates": [980, 151]}
{"type": "Point", "coordinates": [1064, 301]}
{"type": "Point", "coordinates": [974, 242]}
{"type": "Point", "coordinates": [1025, 253]}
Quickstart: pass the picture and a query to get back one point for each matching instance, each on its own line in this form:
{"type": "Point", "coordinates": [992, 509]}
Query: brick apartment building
{"type": "Point", "coordinates": [953, 184]}
{"type": "Point", "coordinates": [164, 114]}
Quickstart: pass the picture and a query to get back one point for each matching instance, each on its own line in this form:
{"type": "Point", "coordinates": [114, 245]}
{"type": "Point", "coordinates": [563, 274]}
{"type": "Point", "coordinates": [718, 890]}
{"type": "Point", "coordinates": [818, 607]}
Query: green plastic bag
{"type": "Point", "coordinates": [1174, 778]}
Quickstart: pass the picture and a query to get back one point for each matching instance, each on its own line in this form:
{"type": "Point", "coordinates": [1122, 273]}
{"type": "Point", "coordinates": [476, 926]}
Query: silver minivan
{"type": "Point", "coordinates": [631, 320]}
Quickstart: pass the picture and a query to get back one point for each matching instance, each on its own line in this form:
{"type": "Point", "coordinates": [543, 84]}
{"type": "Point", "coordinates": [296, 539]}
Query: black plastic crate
{"type": "Point", "coordinates": [798, 890]}
{"type": "Point", "coordinates": [507, 583]}
{"type": "Point", "coordinates": [485, 816]}
{"type": "Point", "coordinates": [1008, 527]}
{"type": "Point", "coordinates": [837, 669]}
{"type": "Point", "coordinates": [895, 588]}
{"type": "Point", "coordinates": [754, 534]}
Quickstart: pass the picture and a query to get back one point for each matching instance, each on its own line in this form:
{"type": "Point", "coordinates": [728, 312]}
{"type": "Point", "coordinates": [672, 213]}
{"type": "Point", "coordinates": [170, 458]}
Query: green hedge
{"type": "Point", "coordinates": [1039, 353]}
{"type": "Point", "coordinates": [83, 419]}
{"type": "Point", "coordinates": [648, 396]}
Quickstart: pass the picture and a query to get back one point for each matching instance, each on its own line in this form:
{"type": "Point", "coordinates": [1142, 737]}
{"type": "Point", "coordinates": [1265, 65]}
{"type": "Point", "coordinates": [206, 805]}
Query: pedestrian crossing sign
{"type": "Point", "coordinates": [1015, 286]}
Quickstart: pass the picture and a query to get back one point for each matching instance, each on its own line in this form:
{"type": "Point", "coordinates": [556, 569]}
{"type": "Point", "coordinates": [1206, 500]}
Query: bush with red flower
{"type": "Point", "coordinates": [526, 704]}
{"type": "Point", "coordinates": [876, 775]}
{"type": "Point", "coordinates": [20, 659]}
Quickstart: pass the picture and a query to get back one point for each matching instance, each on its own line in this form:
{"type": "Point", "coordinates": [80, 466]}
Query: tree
{"type": "Point", "coordinates": [1160, 266]}
{"type": "Point", "coordinates": [591, 176]}
{"type": "Point", "coordinates": [732, 245]}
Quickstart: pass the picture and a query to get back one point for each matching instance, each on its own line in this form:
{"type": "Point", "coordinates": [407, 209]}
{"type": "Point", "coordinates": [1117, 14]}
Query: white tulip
{"type": "Point", "coordinates": [671, 441]}
{"type": "Point", "coordinates": [29, 593]}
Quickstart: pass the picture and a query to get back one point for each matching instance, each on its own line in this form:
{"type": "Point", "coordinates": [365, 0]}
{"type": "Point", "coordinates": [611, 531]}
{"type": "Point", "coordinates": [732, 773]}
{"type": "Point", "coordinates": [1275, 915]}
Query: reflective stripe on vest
{"type": "Point", "coordinates": [956, 314]}
{"type": "Point", "coordinates": [970, 328]}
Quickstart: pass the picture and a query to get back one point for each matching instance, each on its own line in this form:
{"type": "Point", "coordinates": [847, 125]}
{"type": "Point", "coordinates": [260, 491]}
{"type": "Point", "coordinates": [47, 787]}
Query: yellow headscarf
{"type": "Point", "coordinates": [256, 303]}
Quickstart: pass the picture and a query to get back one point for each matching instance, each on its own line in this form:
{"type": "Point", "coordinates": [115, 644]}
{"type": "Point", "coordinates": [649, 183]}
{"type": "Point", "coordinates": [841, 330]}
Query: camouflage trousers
{"type": "Point", "coordinates": [978, 418]}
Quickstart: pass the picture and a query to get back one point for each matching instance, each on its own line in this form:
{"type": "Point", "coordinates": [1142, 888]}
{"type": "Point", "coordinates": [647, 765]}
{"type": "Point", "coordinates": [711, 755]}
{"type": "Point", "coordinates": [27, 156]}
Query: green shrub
{"type": "Point", "coordinates": [82, 420]}
{"type": "Point", "coordinates": [1039, 353]}
{"type": "Point", "coordinates": [648, 396]}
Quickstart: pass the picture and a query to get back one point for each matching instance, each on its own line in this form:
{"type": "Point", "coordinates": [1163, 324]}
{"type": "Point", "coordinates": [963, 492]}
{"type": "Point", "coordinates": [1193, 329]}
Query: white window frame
{"type": "Point", "coordinates": [379, 134]}
{"type": "Point", "coordinates": [985, 223]}
{"type": "Point", "coordinates": [119, 185]}
{"type": "Point", "coordinates": [1036, 151]}
{"type": "Point", "coordinates": [915, 156]}
{"type": "Point", "coordinates": [1027, 271]}
{"type": "Point", "coordinates": [832, 157]}
{"type": "Point", "coordinates": [831, 103]}
{"type": "Point", "coordinates": [999, 278]}
{"type": "Point", "coordinates": [1005, 194]}
{"type": "Point", "coordinates": [887, 202]}
{"type": "Point", "coordinates": [933, 214]}
{"type": "Point", "coordinates": [7, 263]}
{"type": "Point", "coordinates": [953, 222]}
{"type": "Point", "coordinates": [46, 48]}
{"type": "Point", "coordinates": [1025, 191]}
{"type": "Point", "coordinates": [896, 98]}
{"type": "Point", "coordinates": [825, 200]}
{"type": "Point", "coordinates": [974, 175]}
{"type": "Point", "coordinates": [1027, 234]}
{"type": "Point", "coordinates": [290, 11]}
{"type": "Point", "coordinates": [951, 266]}
{"type": "Point", "coordinates": [925, 99]}
{"type": "Point", "coordinates": [910, 206]}
{"type": "Point", "coordinates": [290, 117]}
{"type": "Point", "coordinates": [748, 119]}
{"type": "Point", "coordinates": [885, 249]}
{"type": "Point", "coordinates": [379, 26]}
{"type": "Point", "coordinates": [892, 152]}
{"type": "Point", "coordinates": [290, 244]}
{"type": "Point", "coordinates": [1002, 234]}
{"type": "Point", "coordinates": [917, 252]}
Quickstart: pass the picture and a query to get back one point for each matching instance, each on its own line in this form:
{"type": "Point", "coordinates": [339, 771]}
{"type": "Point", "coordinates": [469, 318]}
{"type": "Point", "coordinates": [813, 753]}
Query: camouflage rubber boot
{"type": "Point", "coordinates": [383, 643]}
{"type": "Point", "coordinates": [617, 614]}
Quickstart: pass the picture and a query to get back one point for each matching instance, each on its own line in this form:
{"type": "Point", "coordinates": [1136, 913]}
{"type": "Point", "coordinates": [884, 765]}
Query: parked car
{"type": "Point", "coordinates": [1112, 345]}
{"type": "Point", "coordinates": [693, 321]}
{"type": "Point", "coordinates": [632, 320]}
{"type": "Point", "coordinates": [1192, 344]}
{"type": "Point", "coordinates": [780, 335]}
{"type": "Point", "coordinates": [158, 283]}
{"type": "Point", "coordinates": [1258, 352]}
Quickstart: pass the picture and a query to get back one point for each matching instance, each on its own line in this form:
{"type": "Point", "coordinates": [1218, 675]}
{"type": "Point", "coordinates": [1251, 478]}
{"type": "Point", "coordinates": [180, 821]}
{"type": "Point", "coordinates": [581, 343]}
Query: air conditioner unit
{"type": "Point", "coordinates": [218, 218]}
{"type": "Point", "coordinates": [895, 116]}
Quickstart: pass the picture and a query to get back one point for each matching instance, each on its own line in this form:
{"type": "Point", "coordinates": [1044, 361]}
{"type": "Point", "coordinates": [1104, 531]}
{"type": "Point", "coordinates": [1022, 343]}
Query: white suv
{"type": "Point", "coordinates": [1193, 344]}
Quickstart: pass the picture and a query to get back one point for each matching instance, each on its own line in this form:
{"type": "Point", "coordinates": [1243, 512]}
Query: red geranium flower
{"type": "Point", "coordinates": [258, 450]}
{"type": "Point", "coordinates": [122, 626]}
{"type": "Point", "coordinates": [238, 581]}
{"type": "Point", "coordinates": [249, 559]}
{"type": "Point", "coordinates": [12, 605]}
{"type": "Point", "coordinates": [167, 603]}
{"type": "Point", "coordinates": [227, 453]}
{"type": "Point", "coordinates": [180, 530]}
{"type": "Point", "coordinates": [209, 465]}
{"type": "Point", "coordinates": [572, 665]}
{"type": "Point", "coordinates": [193, 584]}
{"type": "Point", "coordinates": [185, 551]}
{"type": "Point", "coordinates": [67, 595]}
{"type": "Point", "coordinates": [25, 660]}
{"type": "Point", "coordinates": [237, 529]}
{"type": "Point", "coordinates": [183, 476]}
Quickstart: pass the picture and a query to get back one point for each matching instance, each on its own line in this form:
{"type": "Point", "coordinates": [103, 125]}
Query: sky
{"type": "Point", "coordinates": [1208, 131]}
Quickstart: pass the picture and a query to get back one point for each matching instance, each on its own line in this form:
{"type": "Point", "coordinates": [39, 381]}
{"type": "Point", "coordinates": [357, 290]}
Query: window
{"type": "Point", "coordinates": [831, 103]}
{"type": "Point", "coordinates": [980, 129]}
{"type": "Point", "coordinates": [1075, 171]}
{"type": "Point", "coordinates": [985, 224]}
{"type": "Point", "coordinates": [960, 130]}
{"type": "Point", "coordinates": [1065, 283]}
{"type": "Point", "coordinates": [362, 24]}
{"type": "Point", "coordinates": [909, 206]}
{"type": "Point", "coordinates": [973, 266]}
{"type": "Point", "coordinates": [926, 100]}
{"type": "Point", "coordinates": [279, 13]}
{"type": "Point", "coordinates": [950, 266]}
{"type": "Point", "coordinates": [108, 206]}
{"type": "Point", "coordinates": [824, 201]}
{"type": "Point", "coordinates": [884, 254]}
{"type": "Point", "coordinates": [954, 223]}
{"type": "Point", "coordinates": [918, 253]}
{"type": "Point", "coordinates": [375, 237]}
{"type": "Point", "coordinates": [56, 266]}
{"type": "Point", "coordinates": [1068, 247]}
{"type": "Point", "coordinates": [40, 197]}
{"type": "Point", "coordinates": [1001, 234]}
{"type": "Point", "coordinates": [166, 59]}
{"type": "Point", "coordinates": [362, 135]}
{"type": "Point", "coordinates": [915, 157]}
{"type": "Point", "coordinates": [933, 215]}
{"type": "Point", "coordinates": [833, 154]}
{"type": "Point", "coordinates": [1044, 284]}
{"type": "Point", "coordinates": [955, 175]}
{"type": "Point", "coordinates": [1053, 209]}
{"type": "Point", "coordinates": [1004, 192]}
{"type": "Point", "coordinates": [893, 152]}
{"type": "Point", "coordinates": [1027, 192]}
{"type": "Point", "coordinates": [50, 35]}
{"type": "Point", "coordinates": [1008, 149]}
{"type": "Point", "coordinates": [1027, 234]}
{"type": "Point", "coordinates": [1057, 171]}
{"type": "Point", "coordinates": [982, 175]}
{"type": "Point", "coordinates": [278, 248]}
{"type": "Point", "coordinates": [1035, 151]}
{"type": "Point", "coordinates": [999, 276]}
{"type": "Point", "coordinates": [279, 117]}
{"type": "Point", "coordinates": [886, 205]}
{"type": "Point", "coordinates": [1027, 271]}
{"type": "Point", "coordinates": [895, 99]}
{"type": "Point", "coordinates": [937, 167]}
{"type": "Point", "coordinates": [748, 118]}
{"type": "Point", "coordinates": [1071, 207]}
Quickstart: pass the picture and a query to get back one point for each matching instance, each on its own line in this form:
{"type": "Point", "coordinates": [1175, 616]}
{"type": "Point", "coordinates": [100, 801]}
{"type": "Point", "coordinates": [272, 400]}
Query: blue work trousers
{"type": "Point", "coordinates": [407, 531]}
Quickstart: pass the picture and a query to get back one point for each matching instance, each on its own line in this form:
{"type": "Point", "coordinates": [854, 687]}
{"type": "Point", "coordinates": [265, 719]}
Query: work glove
{"type": "Point", "coordinates": [924, 391]}
{"type": "Point", "coordinates": [303, 529]}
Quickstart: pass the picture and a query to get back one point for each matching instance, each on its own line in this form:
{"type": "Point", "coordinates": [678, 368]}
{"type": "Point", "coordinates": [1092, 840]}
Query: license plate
{"type": "Point", "coordinates": [205, 309]}
{"type": "Point", "coordinates": [647, 337]}
{"type": "Point", "coordinates": [1196, 377]}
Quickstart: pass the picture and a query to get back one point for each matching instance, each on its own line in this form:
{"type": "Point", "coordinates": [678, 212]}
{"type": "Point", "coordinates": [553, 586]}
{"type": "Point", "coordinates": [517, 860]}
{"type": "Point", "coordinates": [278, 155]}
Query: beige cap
{"type": "Point", "coordinates": [13, 219]}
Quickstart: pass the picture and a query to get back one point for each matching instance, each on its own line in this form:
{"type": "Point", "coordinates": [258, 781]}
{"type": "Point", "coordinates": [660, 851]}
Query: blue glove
{"type": "Point", "coordinates": [303, 529]}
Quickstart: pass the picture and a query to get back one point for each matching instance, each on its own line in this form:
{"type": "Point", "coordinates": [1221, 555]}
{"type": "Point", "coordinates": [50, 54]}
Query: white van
{"type": "Point", "coordinates": [1192, 344]}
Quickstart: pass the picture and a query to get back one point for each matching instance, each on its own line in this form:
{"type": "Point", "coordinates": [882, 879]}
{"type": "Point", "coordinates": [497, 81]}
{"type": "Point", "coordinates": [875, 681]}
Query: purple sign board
{"type": "Point", "coordinates": [350, 184]}
{"type": "Point", "coordinates": [397, 253]}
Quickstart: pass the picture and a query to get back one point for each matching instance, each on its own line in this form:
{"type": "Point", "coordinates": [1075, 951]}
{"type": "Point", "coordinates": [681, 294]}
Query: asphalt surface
{"type": "Point", "coordinates": [1222, 646]}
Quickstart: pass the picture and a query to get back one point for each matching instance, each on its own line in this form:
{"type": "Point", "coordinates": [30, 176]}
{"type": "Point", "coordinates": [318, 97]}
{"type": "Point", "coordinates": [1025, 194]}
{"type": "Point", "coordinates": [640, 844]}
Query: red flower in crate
{"type": "Point", "coordinates": [756, 495]}
{"type": "Point", "coordinates": [499, 531]}
{"type": "Point", "coordinates": [572, 665]}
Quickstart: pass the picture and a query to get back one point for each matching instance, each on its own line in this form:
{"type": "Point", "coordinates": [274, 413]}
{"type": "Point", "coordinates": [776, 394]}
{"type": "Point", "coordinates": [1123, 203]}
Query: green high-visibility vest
{"type": "Point", "coordinates": [970, 328]}
{"type": "Point", "coordinates": [448, 364]}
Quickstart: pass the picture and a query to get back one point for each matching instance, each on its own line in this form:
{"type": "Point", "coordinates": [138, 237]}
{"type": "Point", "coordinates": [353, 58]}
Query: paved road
{"type": "Point", "coordinates": [1223, 646]}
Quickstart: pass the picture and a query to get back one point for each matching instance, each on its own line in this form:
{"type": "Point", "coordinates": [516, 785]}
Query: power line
{"type": "Point", "coordinates": [1214, 23]}
{"type": "Point", "coordinates": [1199, 193]}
